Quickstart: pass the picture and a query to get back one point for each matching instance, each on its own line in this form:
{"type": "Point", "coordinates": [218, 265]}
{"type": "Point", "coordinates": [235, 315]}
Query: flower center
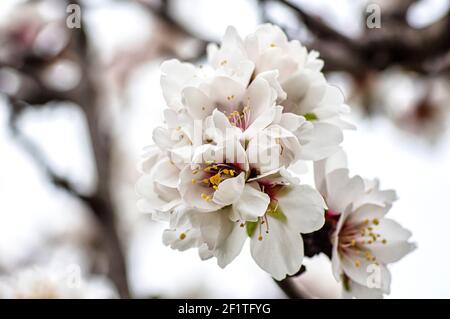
{"type": "Point", "coordinates": [240, 119]}
{"type": "Point", "coordinates": [213, 175]}
{"type": "Point", "coordinates": [358, 237]}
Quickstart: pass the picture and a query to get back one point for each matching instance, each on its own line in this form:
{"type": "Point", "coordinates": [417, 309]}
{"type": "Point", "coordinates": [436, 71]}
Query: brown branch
{"type": "Point", "coordinates": [292, 289]}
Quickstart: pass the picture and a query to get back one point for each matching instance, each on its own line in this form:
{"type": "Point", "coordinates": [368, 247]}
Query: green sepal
{"type": "Point", "coordinates": [310, 116]}
{"type": "Point", "coordinates": [251, 228]}
{"type": "Point", "coordinates": [277, 213]}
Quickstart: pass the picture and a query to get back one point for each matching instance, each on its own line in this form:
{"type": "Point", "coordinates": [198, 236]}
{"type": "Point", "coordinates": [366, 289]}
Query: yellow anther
{"type": "Point", "coordinates": [357, 264]}
{"type": "Point", "coordinates": [384, 241]}
{"type": "Point", "coordinates": [376, 221]}
{"type": "Point", "coordinates": [182, 236]}
{"type": "Point", "coordinates": [204, 196]}
{"type": "Point", "coordinates": [205, 180]}
{"type": "Point", "coordinates": [260, 238]}
{"type": "Point", "coordinates": [223, 62]}
{"type": "Point", "coordinates": [194, 180]}
{"type": "Point", "coordinates": [366, 221]}
{"type": "Point", "coordinates": [231, 172]}
{"type": "Point", "coordinates": [226, 171]}
{"type": "Point", "coordinates": [195, 171]}
{"type": "Point", "coordinates": [353, 243]}
{"type": "Point", "coordinates": [216, 179]}
{"type": "Point", "coordinates": [273, 45]}
{"type": "Point", "coordinates": [215, 187]}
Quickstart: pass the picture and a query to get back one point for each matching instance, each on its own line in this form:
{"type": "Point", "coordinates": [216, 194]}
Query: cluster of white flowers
{"type": "Point", "coordinates": [238, 132]}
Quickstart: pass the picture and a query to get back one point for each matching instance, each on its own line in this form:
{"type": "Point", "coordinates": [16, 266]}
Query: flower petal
{"type": "Point", "coordinates": [303, 207]}
{"type": "Point", "coordinates": [230, 190]}
{"type": "Point", "coordinates": [280, 251]}
{"type": "Point", "coordinates": [253, 203]}
{"type": "Point", "coordinates": [396, 244]}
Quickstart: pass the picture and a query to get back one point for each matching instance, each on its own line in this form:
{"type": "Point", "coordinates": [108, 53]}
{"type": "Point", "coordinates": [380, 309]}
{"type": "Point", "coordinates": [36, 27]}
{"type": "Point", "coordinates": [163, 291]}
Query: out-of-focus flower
{"type": "Point", "coordinates": [51, 282]}
{"type": "Point", "coordinates": [364, 240]}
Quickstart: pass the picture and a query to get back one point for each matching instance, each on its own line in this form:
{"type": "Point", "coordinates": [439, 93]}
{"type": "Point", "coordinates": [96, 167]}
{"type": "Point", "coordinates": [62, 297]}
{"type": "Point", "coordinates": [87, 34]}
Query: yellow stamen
{"type": "Point", "coordinates": [182, 236]}
{"type": "Point", "coordinates": [216, 179]}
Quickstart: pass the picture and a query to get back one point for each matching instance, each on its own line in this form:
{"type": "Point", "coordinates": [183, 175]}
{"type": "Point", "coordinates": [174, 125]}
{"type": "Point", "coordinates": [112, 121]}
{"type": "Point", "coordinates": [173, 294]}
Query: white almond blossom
{"type": "Point", "coordinates": [236, 131]}
{"type": "Point", "coordinates": [275, 235]}
{"type": "Point", "coordinates": [364, 240]}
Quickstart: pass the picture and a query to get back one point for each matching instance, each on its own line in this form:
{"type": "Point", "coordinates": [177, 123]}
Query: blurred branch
{"type": "Point", "coordinates": [395, 43]}
{"type": "Point", "coordinates": [163, 13]}
{"type": "Point", "coordinates": [34, 151]}
{"type": "Point", "coordinates": [86, 96]}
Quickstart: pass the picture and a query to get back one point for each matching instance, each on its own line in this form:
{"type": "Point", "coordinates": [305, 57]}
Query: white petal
{"type": "Point", "coordinates": [253, 203]}
{"type": "Point", "coordinates": [303, 206]}
{"type": "Point", "coordinates": [321, 141]}
{"type": "Point", "coordinates": [260, 97]}
{"type": "Point", "coordinates": [272, 78]}
{"type": "Point", "coordinates": [230, 190]}
{"type": "Point", "coordinates": [181, 239]}
{"type": "Point", "coordinates": [367, 273]}
{"type": "Point", "coordinates": [223, 237]}
{"type": "Point", "coordinates": [324, 167]}
{"type": "Point", "coordinates": [174, 77]}
{"type": "Point", "coordinates": [197, 103]}
{"type": "Point", "coordinates": [362, 292]}
{"type": "Point", "coordinates": [153, 200]}
{"type": "Point", "coordinates": [342, 190]}
{"type": "Point", "coordinates": [165, 173]}
{"type": "Point", "coordinates": [225, 92]}
{"type": "Point", "coordinates": [192, 192]}
{"type": "Point", "coordinates": [396, 246]}
{"type": "Point", "coordinates": [280, 252]}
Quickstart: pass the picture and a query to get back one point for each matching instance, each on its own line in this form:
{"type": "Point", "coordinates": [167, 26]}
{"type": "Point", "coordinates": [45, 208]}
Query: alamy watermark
{"type": "Point", "coordinates": [73, 20]}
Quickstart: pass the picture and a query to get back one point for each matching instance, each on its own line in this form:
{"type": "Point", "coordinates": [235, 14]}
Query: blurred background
{"type": "Point", "coordinates": [78, 105]}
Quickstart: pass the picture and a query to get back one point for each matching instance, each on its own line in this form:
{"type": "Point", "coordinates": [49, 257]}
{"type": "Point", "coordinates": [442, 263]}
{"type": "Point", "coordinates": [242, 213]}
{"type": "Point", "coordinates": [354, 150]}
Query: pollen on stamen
{"type": "Point", "coordinates": [194, 180]}
{"type": "Point", "coordinates": [260, 238]}
{"type": "Point", "coordinates": [205, 197]}
{"type": "Point", "coordinates": [376, 221]}
{"type": "Point", "coordinates": [182, 236]}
